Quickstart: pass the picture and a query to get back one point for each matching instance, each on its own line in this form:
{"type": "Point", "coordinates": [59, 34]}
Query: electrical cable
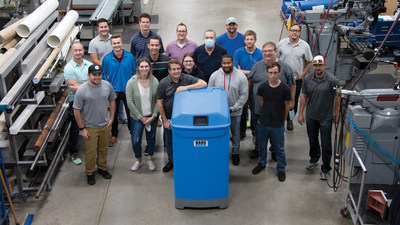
{"type": "Point", "coordinates": [322, 25]}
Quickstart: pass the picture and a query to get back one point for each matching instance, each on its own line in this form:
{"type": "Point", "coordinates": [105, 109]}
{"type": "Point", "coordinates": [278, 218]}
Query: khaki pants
{"type": "Point", "coordinates": [96, 145]}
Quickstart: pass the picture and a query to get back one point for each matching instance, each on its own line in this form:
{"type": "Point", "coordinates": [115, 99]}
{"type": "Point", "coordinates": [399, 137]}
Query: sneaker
{"type": "Point", "coordinates": [146, 151]}
{"type": "Point", "coordinates": [324, 175]}
{"type": "Point", "coordinates": [104, 173]}
{"type": "Point", "coordinates": [76, 159]}
{"type": "Point", "coordinates": [281, 176]}
{"type": "Point", "coordinates": [152, 167]}
{"type": "Point", "coordinates": [168, 166]}
{"type": "Point", "coordinates": [235, 159]}
{"type": "Point", "coordinates": [122, 121]}
{"type": "Point", "coordinates": [273, 156]}
{"type": "Point", "coordinates": [242, 135]}
{"type": "Point", "coordinates": [136, 166]}
{"type": "Point", "coordinates": [289, 125]}
{"type": "Point", "coordinates": [254, 154]}
{"type": "Point", "coordinates": [113, 140]}
{"type": "Point", "coordinates": [257, 169]}
{"type": "Point", "coordinates": [311, 165]}
{"type": "Point", "coordinates": [91, 179]}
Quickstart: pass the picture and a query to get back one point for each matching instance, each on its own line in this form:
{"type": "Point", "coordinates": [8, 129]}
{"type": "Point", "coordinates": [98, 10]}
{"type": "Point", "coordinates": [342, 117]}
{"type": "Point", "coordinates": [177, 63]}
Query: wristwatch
{"type": "Point", "coordinates": [81, 129]}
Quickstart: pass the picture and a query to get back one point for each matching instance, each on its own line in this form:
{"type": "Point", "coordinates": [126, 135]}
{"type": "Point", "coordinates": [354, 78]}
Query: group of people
{"type": "Point", "coordinates": [146, 78]}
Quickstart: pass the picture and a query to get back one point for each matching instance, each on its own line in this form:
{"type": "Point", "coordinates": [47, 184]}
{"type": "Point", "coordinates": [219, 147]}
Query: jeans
{"type": "Point", "coordinates": [137, 127]}
{"type": "Point", "coordinates": [96, 149]}
{"type": "Point", "coordinates": [325, 129]}
{"type": "Point", "coordinates": [168, 143]}
{"type": "Point", "coordinates": [235, 130]}
{"type": "Point", "coordinates": [277, 138]}
{"type": "Point", "coordinates": [254, 122]}
{"type": "Point", "coordinates": [73, 131]}
{"type": "Point", "coordinates": [120, 97]}
{"type": "Point", "coordinates": [120, 112]}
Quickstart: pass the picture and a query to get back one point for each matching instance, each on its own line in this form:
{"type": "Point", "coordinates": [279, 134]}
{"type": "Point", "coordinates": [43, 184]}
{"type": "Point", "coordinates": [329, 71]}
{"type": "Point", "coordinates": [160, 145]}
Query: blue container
{"type": "Point", "coordinates": [307, 5]}
{"type": "Point", "coordinates": [200, 133]}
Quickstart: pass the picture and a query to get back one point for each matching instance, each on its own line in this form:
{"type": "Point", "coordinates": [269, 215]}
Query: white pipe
{"type": "Point", "coordinates": [33, 20]}
{"type": "Point", "coordinates": [61, 31]}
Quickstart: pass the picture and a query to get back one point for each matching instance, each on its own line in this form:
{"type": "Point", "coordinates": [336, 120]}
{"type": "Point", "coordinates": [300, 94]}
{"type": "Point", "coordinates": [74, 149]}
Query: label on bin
{"type": "Point", "coordinates": [200, 143]}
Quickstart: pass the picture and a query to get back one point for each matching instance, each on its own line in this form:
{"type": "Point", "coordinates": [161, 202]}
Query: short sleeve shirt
{"type": "Point", "coordinates": [100, 47]}
{"type": "Point", "coordinates": [75, 71]}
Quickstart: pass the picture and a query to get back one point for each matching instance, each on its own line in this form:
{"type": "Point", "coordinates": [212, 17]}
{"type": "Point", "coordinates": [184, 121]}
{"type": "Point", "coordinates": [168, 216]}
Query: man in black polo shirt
{"type": "Point", "coordinates": [318, 93]}
{"type": "Point", "coordinates": [174, 83]}
{"type": "Point", "coordinates": [158, 61]}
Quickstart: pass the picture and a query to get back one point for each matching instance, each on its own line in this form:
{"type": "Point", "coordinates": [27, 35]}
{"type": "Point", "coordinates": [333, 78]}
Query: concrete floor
{"type": "Point", "coordinates": [146, 197]}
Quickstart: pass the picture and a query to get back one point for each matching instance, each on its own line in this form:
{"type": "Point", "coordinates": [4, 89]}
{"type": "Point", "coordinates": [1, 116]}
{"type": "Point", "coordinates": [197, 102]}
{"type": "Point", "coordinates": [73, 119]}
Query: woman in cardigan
{"type": "Point", "coordinates": [141, 97]}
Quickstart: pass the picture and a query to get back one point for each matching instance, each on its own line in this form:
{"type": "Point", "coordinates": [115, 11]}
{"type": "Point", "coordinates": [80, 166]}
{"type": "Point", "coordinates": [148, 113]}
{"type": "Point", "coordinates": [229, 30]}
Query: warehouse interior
{"type": "Point", "coordinates": [147, 197]}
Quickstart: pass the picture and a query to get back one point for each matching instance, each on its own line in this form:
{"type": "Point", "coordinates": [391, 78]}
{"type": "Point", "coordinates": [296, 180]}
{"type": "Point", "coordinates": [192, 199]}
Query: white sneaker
{"type": "Point", "coordinates": [152, 167]}
{"type": "Point", "coordinates": [136, 166]}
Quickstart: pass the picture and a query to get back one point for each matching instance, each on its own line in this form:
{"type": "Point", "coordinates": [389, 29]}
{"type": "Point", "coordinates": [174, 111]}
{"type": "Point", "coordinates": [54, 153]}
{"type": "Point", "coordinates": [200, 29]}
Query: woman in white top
{"type": "Point", "coordinates": [141, 97]}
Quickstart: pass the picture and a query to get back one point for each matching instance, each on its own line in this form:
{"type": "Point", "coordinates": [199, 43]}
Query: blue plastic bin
{"type": "Point", "coordinates": [200, 133]}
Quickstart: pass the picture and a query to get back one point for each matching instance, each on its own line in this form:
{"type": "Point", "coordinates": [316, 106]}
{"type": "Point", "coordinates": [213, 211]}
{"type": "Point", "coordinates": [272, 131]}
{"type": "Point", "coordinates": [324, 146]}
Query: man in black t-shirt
{"type": "Point", "coordinates": [275, 98]}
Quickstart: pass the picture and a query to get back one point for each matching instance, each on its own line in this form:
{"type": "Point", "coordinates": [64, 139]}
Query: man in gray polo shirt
{"type": "Point", "coordinates": [319, 95]}
{"type": "Point", "coordinates": [297, 54]}
{"type": "Point", "coordinates": [100, 45]}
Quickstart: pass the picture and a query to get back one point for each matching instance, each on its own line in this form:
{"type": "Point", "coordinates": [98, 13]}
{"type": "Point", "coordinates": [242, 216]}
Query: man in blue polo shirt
{"type": "Point", "coordinates": [231, 40]}
{"type": "Point", "coordinates": [140, 40]}
{"type": "Point", "coordinates": [209, 55]}
{"type": "Point", "coordinates": [118, 67]}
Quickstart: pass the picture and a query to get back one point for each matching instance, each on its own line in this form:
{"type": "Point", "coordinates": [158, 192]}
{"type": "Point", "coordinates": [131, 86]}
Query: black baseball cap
{"type": "Point", "coordinates": [95, 69]}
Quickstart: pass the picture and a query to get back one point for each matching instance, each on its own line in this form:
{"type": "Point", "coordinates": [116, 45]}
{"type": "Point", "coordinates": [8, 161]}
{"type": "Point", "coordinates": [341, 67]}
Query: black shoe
{"type": "Point", "coordinates": [257, 169]}
{"type": "Point", "coordinates": [273, 156]}
{"type": "Point", "coordinates": [242, 135]}
{"type": "Point", "coordinates": [235, 159]}
{"type": "Point", "coordinates": [104, 173]}
{"type": "Point", "coordinates": [146, 152]}
{"type": "Point", "coordinates": [168, 167]}
{"type": "Point", "coordinates": [254, 154]}
{"type": "Point", "coordinates": [91, 179]}
{"type": "Point", "coordinates": [281, 176]}
{"type": "Point", "coordinates": [289, 125]}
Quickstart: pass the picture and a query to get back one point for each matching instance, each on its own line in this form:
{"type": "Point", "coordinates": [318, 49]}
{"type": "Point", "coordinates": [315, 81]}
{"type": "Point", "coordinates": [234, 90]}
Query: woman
{"type": "Point", "coordinates": [141, 97]}
{"type": "Point", "coordinates": [189, 66]}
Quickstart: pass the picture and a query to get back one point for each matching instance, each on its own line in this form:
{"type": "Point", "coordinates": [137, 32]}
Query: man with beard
{"type": "Point", "coordinates": [297, 54]}
{"type": "Point", "coordinates": [231, 40]}
{"type": "Point", "coordinates": [318, 94]}
{"type": "Point", "coordinates": [235, 84]}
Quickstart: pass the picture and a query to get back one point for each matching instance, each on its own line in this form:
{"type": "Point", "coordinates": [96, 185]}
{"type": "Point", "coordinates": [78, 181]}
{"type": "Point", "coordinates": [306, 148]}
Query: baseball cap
{"type": "Point", "coordinates": [95, 69]}
{"type": "Point", "coordinates": [319, 59]}
{"type": "Point", "coordinates": [231, 20]}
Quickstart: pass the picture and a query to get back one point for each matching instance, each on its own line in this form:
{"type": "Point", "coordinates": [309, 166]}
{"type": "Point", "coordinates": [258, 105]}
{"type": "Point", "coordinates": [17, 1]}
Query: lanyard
{"type": "Point", "coordinates": [229, 84]}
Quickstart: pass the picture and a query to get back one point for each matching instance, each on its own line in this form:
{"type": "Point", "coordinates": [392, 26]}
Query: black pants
{"type": "Point", "coordinates": [74, 131]}
{"type": "Point", "coordinates": [120, 97]}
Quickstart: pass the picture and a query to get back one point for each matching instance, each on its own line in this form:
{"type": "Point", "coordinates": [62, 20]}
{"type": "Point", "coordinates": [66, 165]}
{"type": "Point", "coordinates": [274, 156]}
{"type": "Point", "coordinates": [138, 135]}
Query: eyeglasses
{"type": "Point", "coordinates": [188, 61]}
{"type": "Point", "coordinates": [181, 31]}
{"type": "Point", "coordinates": [295, 30]}
{"type": "Point", "coordinates": [320, 61]}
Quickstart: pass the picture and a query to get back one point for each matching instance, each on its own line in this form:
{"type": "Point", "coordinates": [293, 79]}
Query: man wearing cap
{"type": "Point", "coordinates": [176, 49]}
{"type": "Point", "coordinates": [297, 54]}
{"type": "Point", "coordinates": [94, 110]}
{"type": "Point", "coordinates": [209, 55]}
{"type": "Point", "coordinates": [319, 95]}
{"type": "Point", "coordinates": [75, 74]}
{"type": "Point", "coordinates": [118, 67]}
{"type": "Point", "coordinates": [231, 40]}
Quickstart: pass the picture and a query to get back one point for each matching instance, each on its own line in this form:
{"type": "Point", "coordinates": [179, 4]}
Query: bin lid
{"type": "Point", "coordinates": [201, 107]}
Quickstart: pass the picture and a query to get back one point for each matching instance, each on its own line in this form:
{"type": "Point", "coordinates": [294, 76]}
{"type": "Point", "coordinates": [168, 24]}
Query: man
{"type": "Point", "coordinates": [245, 58]}
{"type": "Point", "coordinates": [75, 74]}
{"type": "Point", "coordinates": [297, 54]}
{"type": "Point", "coordinates": [235, 84]}
{"type": "Point", "coordinates": [140, 40]}
{"type": "Point", "coordinates": [94, 109]}
{"type": "Point", "coordinates": [100, 45]}
{"type": "Point", "coordinates": [209, 55]}
{"type": "Point", "coordinates": [275, 98]}
{"type": "Point", "coordinates": [318, 93]}
{"type": "Point", "coordinates": [174, 83]}
{"type": "Point", "coordinates": [158, 61]}
{"type": "Point", "coordinates": [258, 76]}
{"type": "Point", "coordinates": [118, 67]}
{"type": "Point", "coordinates": [231, 40]}
{"type": "Point", "coordinates": [176, 49]}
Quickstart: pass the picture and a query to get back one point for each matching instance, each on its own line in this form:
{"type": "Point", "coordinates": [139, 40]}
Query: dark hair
{"type": "Point", "coordinates": [173, 61]}
{"type": "Point", "coordinates": [190, 54]}
{"type": "Point", "coordinates": [272, 65]}
{"type": "Point", "coordinates": [144, 15]}
{"type": "Point", "coordinates": [144, 59]}
{"type": "Point", "coordinates": [227, 56]}
{"type": "Point", "coordinates": [102, 20]}
{"type": "Point", "coordinates": [181, 24]}
{"type": "Point", "coordinates": [115, 36]}
{"type": "Point", "coordinates": [155, 38]}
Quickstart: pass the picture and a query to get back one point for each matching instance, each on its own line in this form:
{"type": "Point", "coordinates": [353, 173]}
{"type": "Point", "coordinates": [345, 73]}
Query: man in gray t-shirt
{"type": "Point", "coordinates": [100, 45]}
{"type": "Point", "coordinates": [92, 101]}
